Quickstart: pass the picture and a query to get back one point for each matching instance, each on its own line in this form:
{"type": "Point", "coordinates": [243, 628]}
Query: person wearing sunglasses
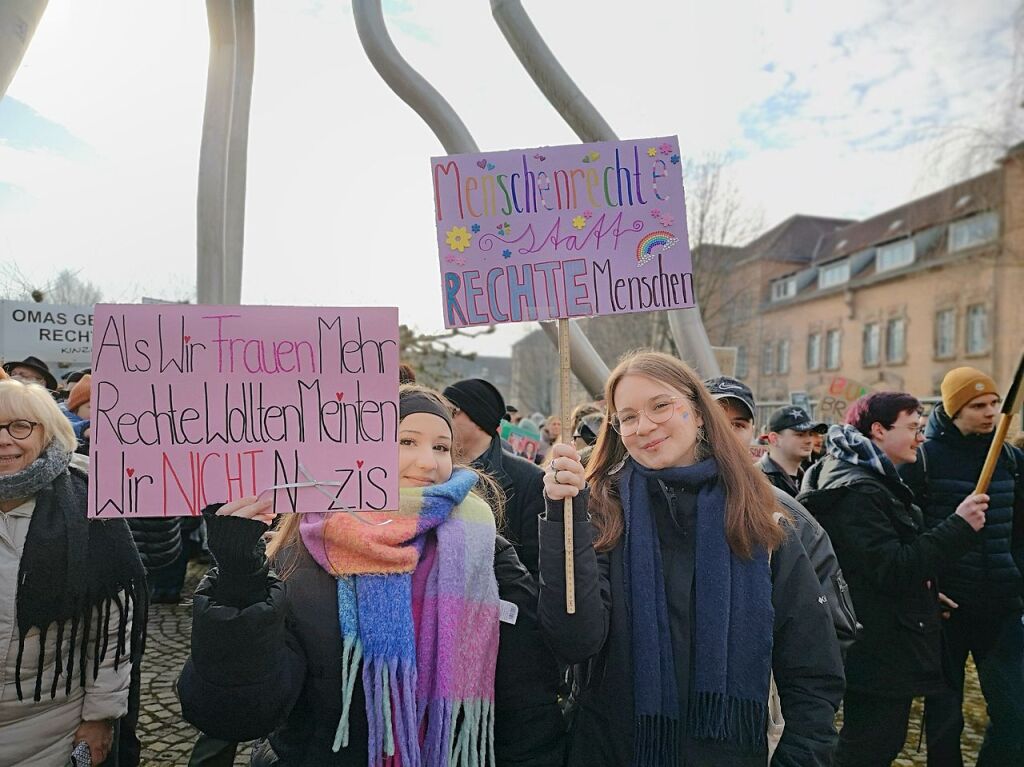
{"type": "Point", "coordinates": [692, 590]}
{"type": "Point", "coordinates": [74, 596]}
{"type": "Point", "coordinates": [892, 565]}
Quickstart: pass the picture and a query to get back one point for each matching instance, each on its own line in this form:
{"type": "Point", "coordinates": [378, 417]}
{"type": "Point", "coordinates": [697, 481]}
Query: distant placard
{"type": "Point", "coordinates": [193, 405]}
{"type": "Point", "coordinates": [563, 231]}
{"type": "Point", "coordinates": [51, 332]}
{"type": "Point", "coordinates": [524, 442]}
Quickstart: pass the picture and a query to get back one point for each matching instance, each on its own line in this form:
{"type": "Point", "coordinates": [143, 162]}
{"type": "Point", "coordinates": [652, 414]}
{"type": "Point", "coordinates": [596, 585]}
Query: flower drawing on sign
{"type": "Point", "coordinates": [665, 148]}
{"type": "Point", "coordinates": [458, 238]}
{"type": "Point", "coordinates": [656, 213]}
{"type": "Point", "coordinates": [675, 159]}
{"type": "Point", "coordinates": [506, 253]}
{"type": "Point", "coordinates": [591, 157]}
{"type": "Point", "coordinates": [475, 228]}
{"type": "Point", "coordinates": [667, 220]}
{"type": "Point", "coordinates": [587, 214]}
{"type": "Point", "coordinates": [579, 222]}
{"type": "Point", "coordinates": [651, 151]}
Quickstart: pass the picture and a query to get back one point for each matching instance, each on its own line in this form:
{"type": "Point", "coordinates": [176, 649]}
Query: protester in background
{"type": "Point", "coordinates": [983, 588]}
{"type": "Point", "coordinates": [789, 444]}
{"type": "Point", "coordinates": [79, 412]}
{"type": "Point", "coordinates": [690, 592]}
{"type": "Point", "coordinates": [406, 374]}
{"type": "Point", "coordinates": [32, 370]}
{"type": "Point", "coordinates": [891, 564]}
{"type": "Point", "coordinates": [479, 408]}
{"type": "Point", "coordinates": [578, 414]}
{"type": "Point", "coordinates": [585, 432]}
{"type": "Point", "coordinates": [512, 414]}
{"type": "Point", "coordinates": [350, 657]}
{"type": "Point", "coordinates": [817, 448]}
{"type": "Point", "coordinates": [74, 596]}
{"type": "Point", "coordinates": [737, 402]}
{"type": "Point", "coordinates": [550, 431]}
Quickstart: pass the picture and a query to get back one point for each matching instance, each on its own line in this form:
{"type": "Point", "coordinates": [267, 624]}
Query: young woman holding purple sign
{"type": "Point", "coordinates": [377, 642]}
{"type": "Point", "coordinates": [691, 591]}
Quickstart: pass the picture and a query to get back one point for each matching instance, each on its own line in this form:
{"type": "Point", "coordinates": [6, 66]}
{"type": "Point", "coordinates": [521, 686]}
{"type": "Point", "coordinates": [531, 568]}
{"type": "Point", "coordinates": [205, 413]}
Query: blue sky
{"type": "Point", "coordinates": [822, 107]}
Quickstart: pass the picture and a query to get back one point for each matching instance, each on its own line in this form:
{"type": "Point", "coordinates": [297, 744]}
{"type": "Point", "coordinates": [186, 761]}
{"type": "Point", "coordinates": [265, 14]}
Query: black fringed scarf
{"type": "Point", "coordinates": [80, 572]}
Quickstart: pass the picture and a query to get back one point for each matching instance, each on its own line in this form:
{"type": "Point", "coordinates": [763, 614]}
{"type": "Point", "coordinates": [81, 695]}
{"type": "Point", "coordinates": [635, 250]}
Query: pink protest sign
{"type": "Point", "coordinates": [565, 231]}
{"type": "Point", "coordinates": [193, 405]}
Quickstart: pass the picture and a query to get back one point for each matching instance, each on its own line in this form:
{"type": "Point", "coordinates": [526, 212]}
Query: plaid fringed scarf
{"type": "Point", "coordinates": [420, 612]}
{"type": "Point", "coordinates": [846, 443]}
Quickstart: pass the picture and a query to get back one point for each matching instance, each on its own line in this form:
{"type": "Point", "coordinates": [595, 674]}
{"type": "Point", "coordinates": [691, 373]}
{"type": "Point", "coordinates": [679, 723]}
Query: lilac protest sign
{"type": "Point", "coordinates": [561, 232]}
{"type": "Point", "coordinates": [193, 405]}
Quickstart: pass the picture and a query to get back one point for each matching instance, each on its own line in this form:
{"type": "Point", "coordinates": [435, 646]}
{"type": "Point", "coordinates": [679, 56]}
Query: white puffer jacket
{"type": "Point", "coordinates": [40, 734]}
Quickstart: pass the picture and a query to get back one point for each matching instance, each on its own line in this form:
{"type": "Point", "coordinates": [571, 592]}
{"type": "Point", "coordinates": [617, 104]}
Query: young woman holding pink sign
{"type": "Point", "coordinates": [692, 590]}
{"type": "Point", "coordinates": [378, 642]}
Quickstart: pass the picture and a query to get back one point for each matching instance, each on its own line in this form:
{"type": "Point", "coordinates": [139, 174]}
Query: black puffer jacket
{"type": "Point", "coordinates": [266, 661]}
{"type": "Point", "coordinates": [946, 471]}
{"type": "Point", "coordinates": [806, 661]}
{"type": "Point", "coordinates": [892, 566]}
{"type": "Point", "coordinates": [158, 540]}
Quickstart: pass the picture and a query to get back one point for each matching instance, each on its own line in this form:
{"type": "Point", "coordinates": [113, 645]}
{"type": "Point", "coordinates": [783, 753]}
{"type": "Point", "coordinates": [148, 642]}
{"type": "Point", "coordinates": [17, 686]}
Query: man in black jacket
{"type": "Point", "coordinates": [983, 589]}
{"type": "Point", "coordinates": [892, 565]}
{"type": "Point", "coordinates": [480, 408]}
{"type": "Point", "coordinates": [737, 400]}
{"type": "Point", "coordinates": [790, 442]}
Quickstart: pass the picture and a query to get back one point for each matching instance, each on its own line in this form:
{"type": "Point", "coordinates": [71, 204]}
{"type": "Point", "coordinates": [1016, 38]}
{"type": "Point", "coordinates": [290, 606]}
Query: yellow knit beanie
{"type": "Point", "coordinates": [961, 385]}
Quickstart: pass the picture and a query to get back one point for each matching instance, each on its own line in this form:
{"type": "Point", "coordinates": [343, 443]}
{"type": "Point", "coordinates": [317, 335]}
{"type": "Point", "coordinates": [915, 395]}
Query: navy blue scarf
{"type": "Point", "coordinates": [733, 616]}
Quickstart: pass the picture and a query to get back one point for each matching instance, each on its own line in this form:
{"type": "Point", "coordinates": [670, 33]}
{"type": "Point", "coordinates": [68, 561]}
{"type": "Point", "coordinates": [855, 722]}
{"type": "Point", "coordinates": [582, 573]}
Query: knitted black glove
{"type": "Point", "coordinates": [236, 544]}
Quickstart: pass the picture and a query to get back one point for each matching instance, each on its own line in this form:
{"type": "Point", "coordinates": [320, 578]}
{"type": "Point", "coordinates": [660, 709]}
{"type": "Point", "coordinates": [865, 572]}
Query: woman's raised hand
{"type": "Point", "coordinates": [249, 507]}
{"type": "Point", "coordinates": [564, 477]}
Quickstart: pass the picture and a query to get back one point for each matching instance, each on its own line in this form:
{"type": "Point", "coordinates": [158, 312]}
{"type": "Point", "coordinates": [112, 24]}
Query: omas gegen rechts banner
{"type": "Point", "coordinates": [567, 231]}
{"type": "Point", "coordinates": [193, 405]}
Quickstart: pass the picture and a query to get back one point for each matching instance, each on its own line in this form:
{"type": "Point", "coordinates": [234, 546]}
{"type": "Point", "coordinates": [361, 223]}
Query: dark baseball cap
{"type": "Point", "coordinates": [725, 386]}
{"type": "Point", "coordinates": [795, 418]}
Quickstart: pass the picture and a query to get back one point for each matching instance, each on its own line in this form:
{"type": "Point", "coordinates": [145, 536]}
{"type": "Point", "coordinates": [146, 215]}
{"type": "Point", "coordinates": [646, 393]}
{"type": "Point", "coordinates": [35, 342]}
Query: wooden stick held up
{"type": "Point", "coordinates": [565, 380]}
{"type": "Point", "coordinates": [1005, 416]}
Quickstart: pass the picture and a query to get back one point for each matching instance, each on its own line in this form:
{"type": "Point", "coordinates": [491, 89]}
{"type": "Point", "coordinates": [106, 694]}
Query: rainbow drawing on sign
{"type": "Point", "coordinates": [645, 248]}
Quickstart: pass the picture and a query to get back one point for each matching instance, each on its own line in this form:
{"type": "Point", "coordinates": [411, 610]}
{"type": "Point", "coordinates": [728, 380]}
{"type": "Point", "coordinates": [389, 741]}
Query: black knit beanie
{"type": "Point", "coordinates": [479, 400]}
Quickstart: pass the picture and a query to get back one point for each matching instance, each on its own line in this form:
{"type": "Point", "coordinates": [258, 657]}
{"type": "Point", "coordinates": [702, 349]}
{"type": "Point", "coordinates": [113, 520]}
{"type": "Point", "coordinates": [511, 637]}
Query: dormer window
{"type": "Point", "coordinates": [973, 230]}
{"type": "Point", "coordinates": [894, 255]}
{"type": "Point", "coordinates": [834, 274]}
{"type": "Point", "coordinates": [784, 288]}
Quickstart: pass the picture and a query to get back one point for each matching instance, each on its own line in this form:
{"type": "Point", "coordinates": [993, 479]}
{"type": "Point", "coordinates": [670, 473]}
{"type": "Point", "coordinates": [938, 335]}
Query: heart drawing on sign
{"type": "Point", "coordinates": [481, 164]}
{"type": "Point", "coordinates": [339, 395]}
{"type": "Point", "coordinates": [359, 464]}
{"type": "Point", "coordinates": [187, 338]}
{"type": "Point", "coordinates": [129, 471]}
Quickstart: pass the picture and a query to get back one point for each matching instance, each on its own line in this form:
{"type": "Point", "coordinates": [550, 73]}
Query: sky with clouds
{"type": "Point", "coordinates": [828, 108]}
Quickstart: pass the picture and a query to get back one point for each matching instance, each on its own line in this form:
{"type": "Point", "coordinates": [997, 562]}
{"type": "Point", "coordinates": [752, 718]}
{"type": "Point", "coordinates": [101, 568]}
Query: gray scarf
{"type": "Point", "coordinates": [40, 473]}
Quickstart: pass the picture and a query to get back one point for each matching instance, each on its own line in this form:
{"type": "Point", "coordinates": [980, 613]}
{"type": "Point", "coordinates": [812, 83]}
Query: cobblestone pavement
{"type": "Point", "coordinates": [167, 739]}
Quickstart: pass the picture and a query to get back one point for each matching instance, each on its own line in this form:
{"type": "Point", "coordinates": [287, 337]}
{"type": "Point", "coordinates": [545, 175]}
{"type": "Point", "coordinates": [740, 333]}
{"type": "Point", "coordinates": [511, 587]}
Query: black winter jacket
{"type": "Point", "coordinates": [778, 476]}
{"type": "Point", "coordinates": [806, 660]}
{"type": "Point", "coordinates": [826, 566]}
{"type": "Point", "coordinates": [891, 564]}
{"type": "Point", "coordinates": [158, 540]}
{"type": "Point", "coordinates": [523, 485]}
{"type": "Point", "coordinates": [946, 471]}
{"type": "Point", "coordinates": [266, 661]}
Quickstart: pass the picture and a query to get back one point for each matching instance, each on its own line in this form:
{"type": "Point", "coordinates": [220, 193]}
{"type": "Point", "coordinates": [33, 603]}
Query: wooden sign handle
{"type": "Point", "coordinates": [993, 454]}
{"type": "Point", "coordinates": [565, 372]}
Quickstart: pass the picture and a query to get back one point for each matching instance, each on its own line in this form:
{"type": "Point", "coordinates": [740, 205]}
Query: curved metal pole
{"type": "Point", "coordinates": [561, 91]}
{"type": "Point", "coordinates": [220, 205]}
{"type": "Point", "coordinates": [455, 137]}
{"type": "Point", "coordinates": [18, 22]}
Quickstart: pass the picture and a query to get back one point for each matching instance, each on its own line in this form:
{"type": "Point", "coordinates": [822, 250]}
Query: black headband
{"type": "Point", "coordinates": [417, 402]}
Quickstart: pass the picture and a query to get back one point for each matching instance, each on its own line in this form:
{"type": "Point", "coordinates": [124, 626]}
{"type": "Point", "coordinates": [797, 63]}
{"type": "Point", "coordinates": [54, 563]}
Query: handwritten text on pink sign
{"type": "Point", "coordinates": [194, 405]}
{"type": "Point", "coordinates": [564, 231]}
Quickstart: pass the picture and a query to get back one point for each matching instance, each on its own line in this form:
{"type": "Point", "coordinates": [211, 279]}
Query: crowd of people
{"type": "Point", "coordinates": [725, 607]}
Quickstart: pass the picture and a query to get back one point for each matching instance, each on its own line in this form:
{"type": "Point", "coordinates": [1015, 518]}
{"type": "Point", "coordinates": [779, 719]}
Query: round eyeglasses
{"type": "Point", "coordinates": [19, 429]}
{"type": "Point", "coordinates": [658, 410]}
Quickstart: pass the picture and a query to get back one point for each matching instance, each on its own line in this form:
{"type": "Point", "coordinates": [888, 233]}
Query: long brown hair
{"type": "Point", "coordinates": [750, 504]}
{"type": "Point", "coordinates": [281, 548]}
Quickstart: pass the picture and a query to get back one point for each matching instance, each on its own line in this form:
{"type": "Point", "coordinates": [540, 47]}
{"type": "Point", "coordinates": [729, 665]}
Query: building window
{"type": "Point", "coordinates": [785, 288]}
{"type": "Point", "coordinates": [767, 361]}
{"type": "Point", "coordinates": [834, 274]}
{"type": "Point", "coordinates": [814, 351]}
{"type": "Point", "coordinates": [977, 329]}
{"type": "Point", "coordinates": [782, 358]}
{"type": "Point", "coordinates": [872, 343]}
{"type": "Point", "coordinates": [973, 230]}
{"type": "Point", "coordinates": [896, 340]}
{"type": "Point", "coordinates": [833, 339]}
{"type": "Point", "coordinates": [894, 255]}
{"type": "Point", "coordinates": [945, 333]}
{"type": "Point", "coordinates": [742, 366]}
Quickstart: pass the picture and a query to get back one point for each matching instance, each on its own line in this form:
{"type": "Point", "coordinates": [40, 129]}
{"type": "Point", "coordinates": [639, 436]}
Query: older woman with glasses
{"type": "Point", "coordinates": [692, 589]}
{"type": "Point", "coordinates": [73, 591]}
